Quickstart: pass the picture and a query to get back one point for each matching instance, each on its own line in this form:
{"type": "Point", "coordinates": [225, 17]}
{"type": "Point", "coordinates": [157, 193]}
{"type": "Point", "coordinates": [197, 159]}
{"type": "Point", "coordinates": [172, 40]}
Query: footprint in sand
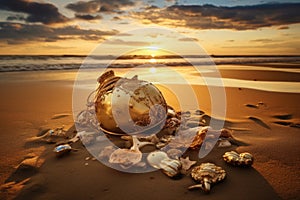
{"type": "Point", "coordinates": [62, 115]}
{"type": "Point", "coordinates": [285, 120]}
{"type": "Point", "coordinates": [284, 116]}
{"type": "Point", "coordinates": [258, 105]}
{"type": "Point", "coordinates": [259, 122]}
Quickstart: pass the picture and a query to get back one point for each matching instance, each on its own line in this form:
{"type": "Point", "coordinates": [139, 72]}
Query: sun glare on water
{"type": "Point", "coordinates": [152, 60]}
{"type": "Point", "coordinates": [152, 70]}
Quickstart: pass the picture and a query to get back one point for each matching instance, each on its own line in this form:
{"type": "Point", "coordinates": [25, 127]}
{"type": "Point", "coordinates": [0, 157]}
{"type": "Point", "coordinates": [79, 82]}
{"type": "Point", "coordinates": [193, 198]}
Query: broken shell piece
{"type": "Point", "coordinates": [172, 124]}
{"type": "Point", "coordinates": [61, 150]}
{"type": "Point", "coordinates": [226, 133]}
{"type": "Point", "coordinates": [199, 138]}
{"type": "Point", "coordinates": [160, 160]}
{"type": "Point", "coordinates": [187, 163]}
{"type": "Point", "coordinates": [87, 138]}
{"type": "Point", "coordinates": [208, 133]}
{"type": "Point", "coordinates": [207, 174]}
{"type": "Point", "coordinates": [174, 153]}
{"type": "Point", "coordinates": [243, 159]}
{"type": "Point", "coordinates": [128, 157]}
{"type": "Point", "coordinates": [125, 157]}
{"type": "Point", "coordinates": [171, 112]}
{"type": "Point", "coordinates": [106, 152]}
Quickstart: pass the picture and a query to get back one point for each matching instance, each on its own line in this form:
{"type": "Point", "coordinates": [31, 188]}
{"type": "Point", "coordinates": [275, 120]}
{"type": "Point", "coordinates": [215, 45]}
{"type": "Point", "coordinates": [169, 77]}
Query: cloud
{"type": "Point", "coordinates": [16, 17]}
{"type": "Point", "coordinates": [37, 12]}
{"type": "Point", "coordinates": [188, 39]}
{"type": "Point", "coordinates": [283, 27]}
{"type": "Point", "coordinates": [127, 43]}
{"type": "Point", "coordinates": [96, 6]}
{"type": "Point", "coordinates": [87, 17]}
{"type": "Point", "coordinates": [222, 17]}
{"type": "Point", "coordinates": [263, 40]}
{"type": "Point", "coordinates": [115, 18]}
{"type": "Point", "coordinates": [17, 33]}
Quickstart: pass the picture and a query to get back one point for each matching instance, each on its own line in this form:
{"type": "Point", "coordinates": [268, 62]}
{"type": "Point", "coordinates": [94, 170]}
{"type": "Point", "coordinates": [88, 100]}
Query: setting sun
{"type": "Point", "coordinates": [152, 60]}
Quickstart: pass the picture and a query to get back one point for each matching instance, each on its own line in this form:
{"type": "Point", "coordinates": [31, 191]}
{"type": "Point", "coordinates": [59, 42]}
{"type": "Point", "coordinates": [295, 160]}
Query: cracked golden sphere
{"type": "Point", "coordinates": [129, 106]}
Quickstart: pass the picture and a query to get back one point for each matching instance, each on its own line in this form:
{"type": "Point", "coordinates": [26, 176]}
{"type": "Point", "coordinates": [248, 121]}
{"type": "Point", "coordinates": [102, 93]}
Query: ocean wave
{"type": "Point", "coordinates": [66, 62]}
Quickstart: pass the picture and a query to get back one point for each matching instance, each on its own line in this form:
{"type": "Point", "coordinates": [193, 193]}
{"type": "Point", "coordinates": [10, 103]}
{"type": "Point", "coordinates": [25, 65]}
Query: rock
{"type": "Point", "coordinates": [224, 143]}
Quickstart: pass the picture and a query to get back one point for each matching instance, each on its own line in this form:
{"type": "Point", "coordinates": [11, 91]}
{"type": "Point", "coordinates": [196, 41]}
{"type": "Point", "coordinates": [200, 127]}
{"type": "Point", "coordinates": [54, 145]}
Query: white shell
{"type": "Point", "coordinates": [125, 157]}
{"type": "Point", "coordinates": [160, 160]}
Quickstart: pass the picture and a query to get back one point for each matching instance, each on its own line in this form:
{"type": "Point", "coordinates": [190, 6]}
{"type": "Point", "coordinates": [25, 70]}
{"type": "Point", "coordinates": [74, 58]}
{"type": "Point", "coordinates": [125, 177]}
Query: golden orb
{"type": "Point", "coordinates": [129, 106]}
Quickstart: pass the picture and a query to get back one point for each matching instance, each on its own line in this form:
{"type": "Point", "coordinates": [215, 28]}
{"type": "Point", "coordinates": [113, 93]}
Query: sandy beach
{"type": "Point", "coordinates": [266, 122]}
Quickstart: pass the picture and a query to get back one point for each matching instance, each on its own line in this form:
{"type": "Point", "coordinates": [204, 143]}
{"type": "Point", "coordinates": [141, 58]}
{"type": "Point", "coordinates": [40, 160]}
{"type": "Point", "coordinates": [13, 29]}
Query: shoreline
{"type": "Point", "coordinates": [29, 105]}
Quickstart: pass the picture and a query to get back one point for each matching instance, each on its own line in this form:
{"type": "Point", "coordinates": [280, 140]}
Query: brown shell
{"type": "Point", "coordinates": [243, 159]}
{"type": "Point", "coordinates": [209, 133]}
{"type": "Point", "coordinates": [199, 138]}
{"type": "Point", "coordinates": [207, 174]}
{"type": "Point", "coordinates": [208, 170]}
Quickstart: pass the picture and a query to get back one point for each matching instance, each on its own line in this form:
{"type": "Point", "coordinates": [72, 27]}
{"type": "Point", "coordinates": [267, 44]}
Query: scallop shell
{"type": "Point", "coordinates": [243, 159]}
{"type": "Point", "coordinates": [207, 174]}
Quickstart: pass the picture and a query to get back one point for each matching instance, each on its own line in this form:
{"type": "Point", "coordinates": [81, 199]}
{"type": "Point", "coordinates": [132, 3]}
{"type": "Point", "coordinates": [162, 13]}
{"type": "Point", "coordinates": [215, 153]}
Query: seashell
{"type": "Point", "coordinates": [226, 133]}
{"type": "Point", "coordinates": [199, 112]}
{"type": "Point", "coordinates": [125, 157]}
{"type": "Point", "coordinates": [106, 152]}
{"type": "Point", "coordinates": [207, 174]}
{"type": "Point", "coordinates": [86, 138]}
{"type": "Point", "coordinates": [184, 138]}
{"type": "Point", "coordinates": [174, 153]}
{"type": "Point", "coordinates": [152, 138]}
{"type": "Point", "coordinates": [209, 133]}
{"type": "Point", "coordinates": [224, 143]}
{"type": "Point", "coordinates": [199, 138]}
{"type": "Point", "coordinates": [187, 163]}
{"type": "Point", "coordinates": [172, 124]}
{"type": "Point", "coordinates": [128, 157]}
{"type": "Point", "coordinates": [62, 149]}
{"type": "Point", "coordinates": [160, 160]}
{"type": "Point", "coordinates": [171, 112]}
{"type": "Point", "coordinates": [243, 159]}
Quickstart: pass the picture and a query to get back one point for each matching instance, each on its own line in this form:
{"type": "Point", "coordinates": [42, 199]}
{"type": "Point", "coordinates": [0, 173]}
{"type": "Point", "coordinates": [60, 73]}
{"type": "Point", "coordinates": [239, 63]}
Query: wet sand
{"type": "Point", "coordinates": [35, 101]}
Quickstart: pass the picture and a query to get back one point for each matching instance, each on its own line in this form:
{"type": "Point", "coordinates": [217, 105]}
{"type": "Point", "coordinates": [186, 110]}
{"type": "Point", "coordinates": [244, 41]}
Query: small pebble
{"type": "Point", "coordinates": [86, 164]}
{"type": "Point", "coordinates": [87, 158]}
{"type": "Point", "coordinates": [224, 143]}
{"type": "Point", "coordinates": [199, 112]}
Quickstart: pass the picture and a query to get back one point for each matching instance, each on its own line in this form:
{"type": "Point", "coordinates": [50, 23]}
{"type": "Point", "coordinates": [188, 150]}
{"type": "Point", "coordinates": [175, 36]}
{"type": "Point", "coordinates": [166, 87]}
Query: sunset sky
{"type": "Point", "coordinates": [226, 27]}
